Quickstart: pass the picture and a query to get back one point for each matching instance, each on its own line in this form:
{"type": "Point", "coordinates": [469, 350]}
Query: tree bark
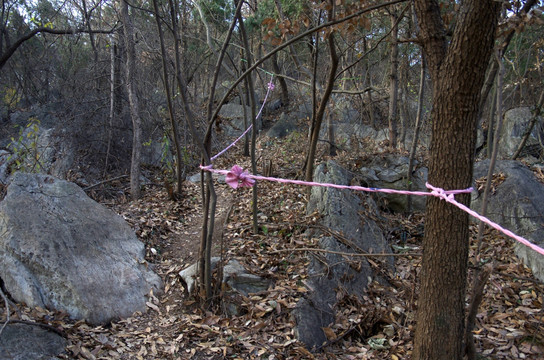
{"type": "Point", "coordinates": [491, 123]}
{"type": "Point", "coordinates": [368, 84]}
{"type": "Point", "coordinates": [457, 68]}
{"type": "Point", "coordinates": [208, 191]}
{"type": "Point", "coordinates": [492, 73]}
{"type": "Point", "coordinates": [171, 112]}
{"type": "Point", "coordinates": [128, 28]}
{"type": "Point", "coordinates": [281, 80]}
{"type": "Point", "coordinates": [318, 118]}
{"type": "Point", "coordinates": [417, 127]}
{"type": "Point", "coordinates": [393, 81]}
{"type": "Point", "coordinates": [254, 129]}
{"type": "Point", "coordinates": [114, 95]}
{"type": "Point", "coordinates": [209, 196]}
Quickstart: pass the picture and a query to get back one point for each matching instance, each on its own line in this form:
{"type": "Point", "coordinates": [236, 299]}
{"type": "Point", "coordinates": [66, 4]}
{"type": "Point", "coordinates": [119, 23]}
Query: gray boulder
{"type": "Point", "coordinates": [56, 152]}
{"type": "Point", "coordinates": [24, 342]}
{"type": "Point", "coordinates": [238, 281]}
{"type": "Point", "coordinates": [304, 111]}
{"type": "Point", "coordinates": [518, 205]}
{"type": "Point", "coordinates": [283, 127]}
{"type": "Point", "coordinates": [274, 105]}
{"type": "Point", "coordinates": [346, 132]}
{"type": "Point", "coordinates": [61, 250]}
{"type": "Point", "coordinates": [234, 116]}
{"type": "Point", "coordinates": [390, 172]}
{"type": "Point", "coordinates": [344, 109]}
{"type": "Point", "coordinates": [195, 178]}
{"type": "Point", "coordinates": [39, 149]}
{"type": "Point", "coordinates": [331, 275]}
{"type": "Point", "coordinates": [514, 125]}
{"type": "Point", "coordinates": [238, 278]}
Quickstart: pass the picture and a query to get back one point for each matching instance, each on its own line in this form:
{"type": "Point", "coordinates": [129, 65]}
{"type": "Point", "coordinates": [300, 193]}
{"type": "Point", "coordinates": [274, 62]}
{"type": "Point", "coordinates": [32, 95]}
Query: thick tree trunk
{"type": "Point", "coordinates": [457, 70]}
{"type": "Point", "coordinates": [128, 28]}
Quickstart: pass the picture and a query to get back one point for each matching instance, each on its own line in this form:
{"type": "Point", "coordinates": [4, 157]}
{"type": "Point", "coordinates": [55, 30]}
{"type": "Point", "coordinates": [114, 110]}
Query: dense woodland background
{"type": "Point", "coordinates": [80, 77]}
{"type": "Point", "coordinates": [135, 87]}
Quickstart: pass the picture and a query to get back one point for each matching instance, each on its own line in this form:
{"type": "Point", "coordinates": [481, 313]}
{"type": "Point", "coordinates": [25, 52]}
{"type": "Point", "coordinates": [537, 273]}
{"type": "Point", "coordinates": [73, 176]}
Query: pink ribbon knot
{"type": "Point", "coordinates": [238, 177]}
{"type": "Point", "coordinates": [439, 192]}
{"type": "Point", "coordinates": [448, 195]}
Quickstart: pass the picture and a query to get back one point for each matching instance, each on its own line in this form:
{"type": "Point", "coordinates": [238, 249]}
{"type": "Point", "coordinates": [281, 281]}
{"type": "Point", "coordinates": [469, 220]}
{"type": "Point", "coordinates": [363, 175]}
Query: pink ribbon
{"type": "Point", "coordinates": [270, 88]}
{"type": "Point", "coordinates": [238, 177]}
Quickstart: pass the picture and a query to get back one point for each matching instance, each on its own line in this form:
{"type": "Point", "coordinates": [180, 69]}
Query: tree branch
{"type": "Point", "coordinates": [11, 50]}
{"type": "Point", "coordinates": [343, 253]}
{"type": "Point", "coordinates": [7, 311]}
{"type": "Point", "coordinates": [295, 39]}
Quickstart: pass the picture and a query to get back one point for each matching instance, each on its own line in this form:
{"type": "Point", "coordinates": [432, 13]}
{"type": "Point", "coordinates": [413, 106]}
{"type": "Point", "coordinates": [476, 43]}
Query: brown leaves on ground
{"type": "Point", "coordinates": [496, 180]}
{"type": "Point", "coordinates": [379, 326]}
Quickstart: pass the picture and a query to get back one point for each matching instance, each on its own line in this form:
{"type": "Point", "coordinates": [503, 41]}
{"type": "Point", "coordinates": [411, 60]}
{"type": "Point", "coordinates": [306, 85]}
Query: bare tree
{"type": "Point", "coordinates": [128, 30]}
{"type": "Point", "coordinates": [393, 80]}
{"type": "Point", "coordinates": [457, 68]}
{"type": "Point", "coordinates": [169, 102]}
{"type": "Point", "coordinates": [319, 113]}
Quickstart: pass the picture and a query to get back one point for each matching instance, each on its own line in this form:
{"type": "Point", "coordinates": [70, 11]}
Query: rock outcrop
{"type": "Point", "coordinates": [390, 172]}
{"type": "Point", "coordinates": [233, 114]}
{"type": "Point", "coordinates": [518, 205]}
{"type": "Point", "coordinates": [24, 342]}
{"type": "Point", "coordinates": [61, 250]}
{"type": "Point", "coordinates": [283, 127]}
{"type": "Point", "coordinates": [342, 213]}
{"type": "Point", "coordinates": [514, 126]}
{"type": "Point", "coordinates": [237, 282]}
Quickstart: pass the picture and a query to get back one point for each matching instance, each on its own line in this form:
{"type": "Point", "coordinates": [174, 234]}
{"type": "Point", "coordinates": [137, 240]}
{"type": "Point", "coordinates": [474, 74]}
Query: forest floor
{"type": "Point", "coordinates": [509, 323]}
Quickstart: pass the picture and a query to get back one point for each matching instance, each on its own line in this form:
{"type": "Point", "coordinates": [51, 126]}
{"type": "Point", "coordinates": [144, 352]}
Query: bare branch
{"type": "Point", "coordinates": [295, 39]}
{"type": "Point", "coordinates": [11, 50]}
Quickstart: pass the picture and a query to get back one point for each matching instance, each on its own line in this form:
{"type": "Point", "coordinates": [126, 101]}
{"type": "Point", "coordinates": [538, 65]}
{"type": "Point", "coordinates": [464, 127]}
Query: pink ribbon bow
{"type": "Point", "coordinates": [238, 177]}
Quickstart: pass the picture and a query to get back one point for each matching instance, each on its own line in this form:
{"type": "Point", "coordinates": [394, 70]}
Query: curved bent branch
{"type": "Point", "coordinates": [11, 50]}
